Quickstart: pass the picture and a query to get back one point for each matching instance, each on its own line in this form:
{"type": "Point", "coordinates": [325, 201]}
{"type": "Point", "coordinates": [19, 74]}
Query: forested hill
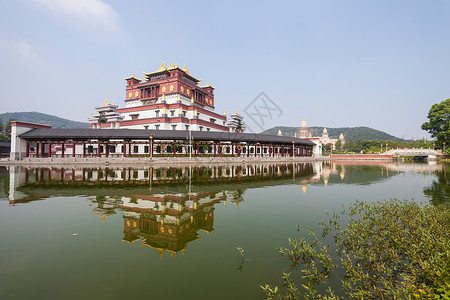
{"type": "Point", "coordinates": [350, 133]}
{"type": "Point", "coordinates": [40, 118]}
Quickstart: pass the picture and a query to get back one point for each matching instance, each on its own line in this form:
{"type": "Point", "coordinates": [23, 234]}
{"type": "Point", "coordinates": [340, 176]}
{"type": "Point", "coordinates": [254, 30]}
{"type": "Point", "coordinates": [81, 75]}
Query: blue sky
{"type": "Point", "coordinates": [334, 63]}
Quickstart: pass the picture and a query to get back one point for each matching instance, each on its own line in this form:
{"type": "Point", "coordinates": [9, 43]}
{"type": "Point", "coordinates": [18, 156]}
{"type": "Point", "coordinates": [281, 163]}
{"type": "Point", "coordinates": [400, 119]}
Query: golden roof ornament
{"type": "Point", "coordinates": [192, 99]}
{"type": "Point", "coordinates": [185, 69]}
{"type": "Point", "coordinates": [304, 188]}
{"type": "Point", "coordinates": [162, 67]}
{"type": "Point", "coordinates": [237, 112]}
{"type": "Point", "coordinates": [303, 125]}
{"type": "Point", "coordinates": [105, 102]}
{"type": "Point", "coordinates": [195, 113]}
{"type": "Point", "coordinates": [173, 63]}
{"type": "Point", "coordinates": [341, 137]}
{"type": "Point", "coordinates": [325, 130]}
{"type": "Point", "coordinates": [164, 110]}
{"type": "Point", "coordinates": [279, 132]}
{"type": "Point", "coordinates": [225, 113]}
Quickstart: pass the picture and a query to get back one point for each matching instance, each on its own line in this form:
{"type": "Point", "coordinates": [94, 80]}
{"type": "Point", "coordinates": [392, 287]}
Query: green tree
{"type": "Point", "coordinates": [338, 145]}
{"type": "Point", "coordinates": [386, 250]}
{"type": "Point", "coordinates": [8, 126]}
{"type": "Point", "coordinates": [1, 127]}
{"type": "Point", "coordinates": [327, 147]}
{"type": "Point", "coordinates": [439, 122]}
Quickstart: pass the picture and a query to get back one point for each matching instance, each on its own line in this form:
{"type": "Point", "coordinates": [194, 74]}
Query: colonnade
{"type": "Point", "coordinates": [151, 148]}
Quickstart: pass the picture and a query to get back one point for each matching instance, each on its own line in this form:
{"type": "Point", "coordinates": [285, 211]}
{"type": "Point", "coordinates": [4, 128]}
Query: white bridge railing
{"type": "Point", "coordinates": [413, 152]}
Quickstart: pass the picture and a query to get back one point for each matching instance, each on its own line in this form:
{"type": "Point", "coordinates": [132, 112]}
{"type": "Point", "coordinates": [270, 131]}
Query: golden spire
{"type": "Point", "coordinates": [173, 63]}
{"type": "Point", "coordinates": [106, 102]}
{"type": "Point", "coordinates": [304, 188]}
{"type": "Point", "coordinates": [303, 125]}
{"type": "Point", "coordinates": [195, 113]}
{"type": "Point", "coordinates": [279, 132]}
{"type": "Point", "coordinates": [341, 137]}
{"type": "Point", "coordinates": [185, 69]}
{"type": "Point", "coordinates": [164, 110]}
{"type": "Point", "coordinates": [192, 99]}
{"type": "Point", "coordinates": [225, 113]}
{"type": "Point", "coordinates": [181, 110]}
{"type": "Point", "coordinates": [325, 130]}
{"type": "Point", "coordinates": [162, 67]}
{"type": "Point", "coordinates": [114, 104]}
{"type": "Point", "coordinates": [237, 112]}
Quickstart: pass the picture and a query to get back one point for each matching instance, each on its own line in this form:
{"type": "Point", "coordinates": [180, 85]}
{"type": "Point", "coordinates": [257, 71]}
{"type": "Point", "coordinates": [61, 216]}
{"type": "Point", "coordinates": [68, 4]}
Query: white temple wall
{"type": "Point", "coordinates": [18, 145]}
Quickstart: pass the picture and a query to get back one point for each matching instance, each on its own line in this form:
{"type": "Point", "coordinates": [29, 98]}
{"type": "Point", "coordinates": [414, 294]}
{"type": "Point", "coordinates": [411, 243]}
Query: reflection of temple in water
{"type": "Point", "coordinates": [163, 208]}
{"type": "Point", "coordinates": [350, 171]}
{"type": "Point", "coordinates": [168, 222]}
{"type": "Point", "coordinates": [166, 208]}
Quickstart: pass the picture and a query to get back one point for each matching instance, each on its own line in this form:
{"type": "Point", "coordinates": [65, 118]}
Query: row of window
{"type": "Point", "coordinates": [179, 149]}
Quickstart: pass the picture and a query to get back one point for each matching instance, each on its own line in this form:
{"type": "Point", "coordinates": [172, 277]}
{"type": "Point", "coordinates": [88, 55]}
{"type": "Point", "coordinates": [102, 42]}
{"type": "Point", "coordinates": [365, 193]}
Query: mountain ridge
{"type": "Point", "coordinates": [350, 133]}
{"type": "Point", "coordinates": [42, 118]}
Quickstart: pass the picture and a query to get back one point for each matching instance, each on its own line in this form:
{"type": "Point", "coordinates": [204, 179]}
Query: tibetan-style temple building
{"type": "Point", "coordinates": [167, 99]}
{"type": "Point", "coordinates": [165, 115]}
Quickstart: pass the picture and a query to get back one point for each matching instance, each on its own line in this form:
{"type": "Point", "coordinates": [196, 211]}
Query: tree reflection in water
{"type": "Point", "coordinates": [439, 191]}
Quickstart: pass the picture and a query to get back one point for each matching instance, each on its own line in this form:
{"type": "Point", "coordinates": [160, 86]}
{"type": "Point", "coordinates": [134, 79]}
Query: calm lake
{"type": "Point", "coordinates": [172, 232]}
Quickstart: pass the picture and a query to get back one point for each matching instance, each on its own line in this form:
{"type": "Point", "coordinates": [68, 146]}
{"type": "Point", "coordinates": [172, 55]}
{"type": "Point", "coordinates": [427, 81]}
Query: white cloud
{"type": "Point", "coordinates": [94, 13]}
{"type": "Point", "coordinates": [19, 49]}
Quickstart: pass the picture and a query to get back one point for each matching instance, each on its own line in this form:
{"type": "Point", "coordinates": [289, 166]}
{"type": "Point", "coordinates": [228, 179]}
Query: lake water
{"type": "Point", "coordinates": [172, 233]}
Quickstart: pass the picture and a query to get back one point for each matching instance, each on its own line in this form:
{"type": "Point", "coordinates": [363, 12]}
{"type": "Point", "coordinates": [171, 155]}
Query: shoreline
{"type": "Point", "coordinates": [155, 161]}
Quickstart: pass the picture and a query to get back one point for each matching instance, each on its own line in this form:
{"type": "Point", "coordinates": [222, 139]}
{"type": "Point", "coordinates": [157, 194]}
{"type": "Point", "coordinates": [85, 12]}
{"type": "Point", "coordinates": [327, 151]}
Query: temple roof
{"type": "Point", "coordinates": [133, 77]}
{"type": "Point", "coordinates": [143, 134]}
{"type": "Point", "coordinates": [208, 86]}
{"type": "Point", "coordinates": [163, 69]}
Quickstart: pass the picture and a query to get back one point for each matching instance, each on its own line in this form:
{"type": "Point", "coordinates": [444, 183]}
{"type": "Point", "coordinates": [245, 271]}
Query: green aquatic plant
{"type": "Point", "coordinates": [387, 250]}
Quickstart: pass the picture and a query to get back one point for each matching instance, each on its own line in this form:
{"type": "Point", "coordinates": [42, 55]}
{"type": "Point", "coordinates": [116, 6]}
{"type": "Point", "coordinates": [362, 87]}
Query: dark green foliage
{"type": "Point", "coordinates": [8, 125]}
{"type": "Point", "coordinates": [4, 134]}
{"type": "Point", "coordinates": [438, 124]}
{"type": "Point", "coordinates": [40, 118]}
{"type": "Point", "coordinates": [439, 191]}
{"type": "Point", "coordinates": [387, 250]}
{"type": "Point", "coordinates": [350, 133]}
{"type": "Point", "coordinates": [371, 146]}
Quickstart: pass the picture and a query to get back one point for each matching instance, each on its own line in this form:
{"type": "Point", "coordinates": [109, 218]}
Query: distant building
{"type": "Point", "coordinates": [325, 139]}
{"type": "Point", "coordinates": [306, 133]}
{"type": "Point", "coordinates": [236, 123]}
